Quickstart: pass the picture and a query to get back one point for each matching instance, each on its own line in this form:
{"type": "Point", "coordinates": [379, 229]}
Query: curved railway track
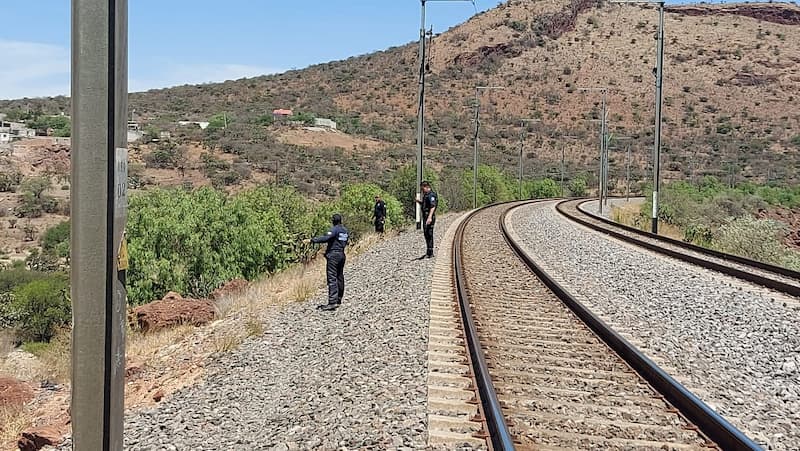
{"type": "Point", "coordinates": [770, 276]}
{"type": "Point", "coordinates": [549, 374]}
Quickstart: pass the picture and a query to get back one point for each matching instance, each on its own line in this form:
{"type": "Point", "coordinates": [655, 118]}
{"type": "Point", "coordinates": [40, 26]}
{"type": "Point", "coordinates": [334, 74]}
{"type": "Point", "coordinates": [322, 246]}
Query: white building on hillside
{"type": "Point", "coordinates": [321, 122]}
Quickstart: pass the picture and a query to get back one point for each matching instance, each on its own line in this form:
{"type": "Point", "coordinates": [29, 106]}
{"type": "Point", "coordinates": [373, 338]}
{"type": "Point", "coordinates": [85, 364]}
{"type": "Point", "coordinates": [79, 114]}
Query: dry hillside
{"type": "Point", "coordinates": [732, 76]}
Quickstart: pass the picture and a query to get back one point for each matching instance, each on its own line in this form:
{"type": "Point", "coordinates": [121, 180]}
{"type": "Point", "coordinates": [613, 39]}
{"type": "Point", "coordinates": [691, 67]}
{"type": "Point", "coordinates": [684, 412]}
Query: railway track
{"type": "Point", "coordinates": [548, 374]}
{"type": "Point", "coordinates": [770, 276]}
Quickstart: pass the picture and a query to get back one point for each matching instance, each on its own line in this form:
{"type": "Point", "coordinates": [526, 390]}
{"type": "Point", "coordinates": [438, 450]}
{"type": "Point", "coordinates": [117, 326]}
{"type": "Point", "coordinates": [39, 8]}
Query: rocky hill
{"type": "Point", "coordinates": [732, 79]}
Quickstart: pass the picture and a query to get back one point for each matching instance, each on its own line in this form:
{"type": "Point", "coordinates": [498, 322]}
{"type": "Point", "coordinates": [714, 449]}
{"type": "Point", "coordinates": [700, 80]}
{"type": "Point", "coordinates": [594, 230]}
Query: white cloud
{"type": "Point", "coordinates": [32, 69]}
{"type": "Point", "coordinates": [176, 74]}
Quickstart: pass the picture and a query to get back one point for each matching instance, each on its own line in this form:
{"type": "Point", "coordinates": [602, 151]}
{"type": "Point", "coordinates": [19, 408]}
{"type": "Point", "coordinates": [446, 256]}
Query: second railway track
{"type": "Point", "coordinates": [773, 277]}
{"type": "Point", "coordinates": [551, 380]}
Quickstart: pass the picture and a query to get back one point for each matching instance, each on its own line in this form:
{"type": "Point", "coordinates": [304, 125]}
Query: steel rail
{"type": "Point", "coordinates": [709, 423]}
{"type": "Point", "coordinates": [499, 435]}
{"type": "Point", "coordinates": [714, 253]}
{"type": "Point", "coordinates": [777, 285]}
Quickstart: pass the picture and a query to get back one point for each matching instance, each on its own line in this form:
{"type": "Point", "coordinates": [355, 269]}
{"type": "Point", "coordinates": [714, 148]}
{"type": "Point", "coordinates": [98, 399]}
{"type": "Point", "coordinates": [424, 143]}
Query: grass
{"type": "Point", "coordinates": [13, 420]}
{"type": "Point", "coordinates": [254, 327]}
{"type": "Point", "coordinates": [227, 342]}
{"type": "Point", "coordinates": [142, 346]}
{"type": "Point", "coordinates": [630, 215]}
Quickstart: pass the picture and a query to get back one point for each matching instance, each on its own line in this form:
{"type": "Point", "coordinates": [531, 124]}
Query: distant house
{"type": "Point", "coordinates": [327, 123]}
{"type": "Point", "coordinates": [201, 124]}
{"type": "Point", "coordinates": [282, 114]}
{"type": "Point", "coordinates": [16, 130]}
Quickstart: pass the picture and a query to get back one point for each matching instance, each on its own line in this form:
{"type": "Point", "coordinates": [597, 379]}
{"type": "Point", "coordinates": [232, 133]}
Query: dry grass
{"type": "Point", "coordinates": [226, 342]}
{"type": "Point", "coordinates": [7, 340]}
{"type": "Point", "coordinates": [56, 359]}
{"type": "Point", "coordinates": [303, 289]}
{"type": "Point", "coordinates": [628, 214]}
{"type": "Point", "coordinates": [142, 346]}
{"type": "Point", "coordinates": [13, 420]}
{"type": "Point", "coordinates": [254, 327]}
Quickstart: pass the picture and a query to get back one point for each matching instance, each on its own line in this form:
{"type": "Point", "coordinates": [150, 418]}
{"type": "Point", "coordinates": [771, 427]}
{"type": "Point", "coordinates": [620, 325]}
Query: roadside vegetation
{"type": "Point", "coordinates": [733, 220]}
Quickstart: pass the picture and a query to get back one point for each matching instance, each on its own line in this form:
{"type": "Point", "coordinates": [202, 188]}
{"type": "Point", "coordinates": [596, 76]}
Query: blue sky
{"type": "Point", "coordinates": [174, 42]}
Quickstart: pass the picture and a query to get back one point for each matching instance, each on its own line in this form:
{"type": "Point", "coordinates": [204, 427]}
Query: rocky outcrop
{"type": "Point", "coordinates": [170, 311]}
{"type": "Point", "coordinates": [776, 13]}
{"type": "Point", "coordinates": [37, 438]}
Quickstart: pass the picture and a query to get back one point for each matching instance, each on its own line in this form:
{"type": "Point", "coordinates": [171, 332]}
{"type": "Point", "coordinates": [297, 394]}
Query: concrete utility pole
{"type": "Point", "coordinates": [99, 208]}
{"type": "Point", "coordinates": [564, 160]}
{"type": "Point", "coordinates": [521, 145]}
{"type": "Point", "coordinates": [601, 175]}
{"type": "Point", "coordinates": [659, 73]}
{"type": "Point", "coordinates": [421, 105]}
{"type": "Point", "coordinates": [478, 89]}
{"type": "Point", "coordinates": [627, 165]}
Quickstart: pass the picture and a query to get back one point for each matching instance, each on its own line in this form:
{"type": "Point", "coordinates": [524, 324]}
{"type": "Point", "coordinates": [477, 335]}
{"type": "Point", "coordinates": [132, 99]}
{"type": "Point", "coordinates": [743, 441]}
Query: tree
{"type": "Point", "coordinates": [218, 121]}
{"type": "Point", "coordinates": [42, 306]}
{"type": "Point", "coordinates": [36, 185]}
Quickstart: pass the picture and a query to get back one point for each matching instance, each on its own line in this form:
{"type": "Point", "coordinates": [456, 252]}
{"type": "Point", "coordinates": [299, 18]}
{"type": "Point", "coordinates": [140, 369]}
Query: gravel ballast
{"type": "Point", "coordinates": [353, 378]}
{"type": "Point", "coordinates": [734, 344]}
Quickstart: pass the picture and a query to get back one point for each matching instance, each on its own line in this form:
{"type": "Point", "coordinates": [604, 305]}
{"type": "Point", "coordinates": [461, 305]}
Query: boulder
{"type": "Point", "coordinates": [14, 392]}
{"type": "Point", "coordinates": [36, 438]}
{"type": "Point", "coordinates": [171, 311]}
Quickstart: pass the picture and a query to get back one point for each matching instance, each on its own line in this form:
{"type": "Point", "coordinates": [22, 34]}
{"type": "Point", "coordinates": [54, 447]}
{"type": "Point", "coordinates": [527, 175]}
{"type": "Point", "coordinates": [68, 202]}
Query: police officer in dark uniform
{"type": "Point", "coordinates": [379, 214]}
{"type": "Point", "coordinates": [429, 202]}
{"type": "Point", "coordinates": [336, 238]}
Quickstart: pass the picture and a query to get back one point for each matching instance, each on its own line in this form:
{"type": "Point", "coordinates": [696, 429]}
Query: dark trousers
{"type": "Point", "coordinates": [334, 270]}
{"type": "Point", "coordinates": [429, 237]}
{"type": "Point", "coordinates": [379, 223]}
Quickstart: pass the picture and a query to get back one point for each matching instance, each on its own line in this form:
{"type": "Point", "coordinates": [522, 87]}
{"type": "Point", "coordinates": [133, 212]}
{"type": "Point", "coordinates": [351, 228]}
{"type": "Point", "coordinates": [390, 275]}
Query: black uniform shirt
{"type": "Point", "coordinates": [336, 238]}
{"type": "Point", "coordinates": [429, 201]}
{"type": "Point", "coordinates": [380, 209]}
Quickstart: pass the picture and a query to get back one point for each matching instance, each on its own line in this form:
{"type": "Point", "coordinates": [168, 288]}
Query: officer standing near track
{"type": "Point", "coordinates": [429, 202]}
{"type": "Point", "coordinates": [379, 214]}
{"type": "Point", "coordinates": [337, 238]}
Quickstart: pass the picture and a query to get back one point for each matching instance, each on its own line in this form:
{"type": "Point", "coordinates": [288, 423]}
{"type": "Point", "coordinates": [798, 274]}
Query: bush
{"type": "Point", "coordinates": [749, 237]}
{"type": "Point", "coordinates": [356, 204]}
{"type": "Point", "coordinates": [542, 189]}
{"type": "Point", "coordinates": [9, 181]}
{"type": "Point", "coordinates": [42, 306]}
{"type": "Point", "coordinates": [577, 187]}
{"type": "Point", "coordinates": [55, 240]}
{"type": "Point", "coordinates": [403, 186]}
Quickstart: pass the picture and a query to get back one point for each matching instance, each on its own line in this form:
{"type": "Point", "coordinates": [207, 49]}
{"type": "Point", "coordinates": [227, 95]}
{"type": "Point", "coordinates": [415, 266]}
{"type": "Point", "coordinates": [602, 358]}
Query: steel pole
{"type": "Point", "coordinates": [628, 173]}
{"type": "Point", "coordinates": [521, 144]}
{"type": "Point", "coordinates": [420, 117]}
{"type": "Point", "coordinates": [657, 146]}
{"type": "Point", "coordinates": [475, 162]}
{"type": "Point", "coordinates": [99, 208]}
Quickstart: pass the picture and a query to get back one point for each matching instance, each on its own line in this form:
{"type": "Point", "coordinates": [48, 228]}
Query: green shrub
{"type": "Point", "coordinates": [9, 181]}
{"type": "Point", "coordinates": [542, 189]}
{"type": "Point", "coordinates": [403, 186]}
{"type": "Point", "coordinates": [55, 240]}
{"type": "Point", "coordinates": [42, 306]}
{"type": "Point", "coordinates": [17, 276]}
{"type": "Point", "coordinates": [577, 186]}
{"type": "Point", "coordinates": [749, 237]}
{"type": "Point", "coordinates": [356, 204]}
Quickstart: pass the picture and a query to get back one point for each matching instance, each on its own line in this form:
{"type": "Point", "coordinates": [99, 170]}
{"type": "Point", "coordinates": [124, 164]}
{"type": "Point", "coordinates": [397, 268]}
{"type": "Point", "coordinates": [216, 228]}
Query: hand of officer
{"type": "Point", "coordinates": [428, 221]}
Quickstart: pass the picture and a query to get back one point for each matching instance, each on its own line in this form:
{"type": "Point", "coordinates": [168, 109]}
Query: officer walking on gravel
{"type": "Point", "coordinates": [429, 202]}
{"type": "Point", "coordinates": [379, 214]}
{"type": "Point", "coordinates": [336, 238]}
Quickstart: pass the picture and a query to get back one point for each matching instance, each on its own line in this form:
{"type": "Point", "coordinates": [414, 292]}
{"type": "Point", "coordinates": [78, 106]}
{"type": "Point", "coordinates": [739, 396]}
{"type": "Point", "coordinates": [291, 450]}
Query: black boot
{"type": "Point", "coordinates": [329, 307]}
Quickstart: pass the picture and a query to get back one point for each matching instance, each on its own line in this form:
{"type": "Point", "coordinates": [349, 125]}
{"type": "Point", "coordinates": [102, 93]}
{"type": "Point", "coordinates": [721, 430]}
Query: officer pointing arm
{"type": "Point", "coordinates": [337, 238]}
